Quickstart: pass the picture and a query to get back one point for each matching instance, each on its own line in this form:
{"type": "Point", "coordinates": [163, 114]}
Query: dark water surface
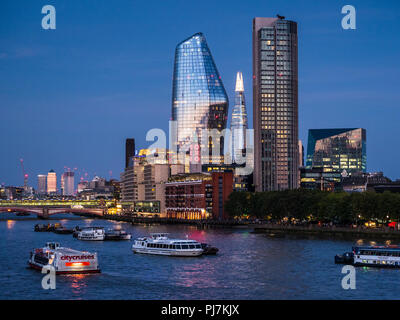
{"type": "Point", "coordinates": [248, 266]}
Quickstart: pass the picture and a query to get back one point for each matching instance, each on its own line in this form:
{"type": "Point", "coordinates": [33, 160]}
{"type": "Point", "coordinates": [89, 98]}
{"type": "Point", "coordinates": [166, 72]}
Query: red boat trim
{"type": "Point", "coordinates": [36, 267]}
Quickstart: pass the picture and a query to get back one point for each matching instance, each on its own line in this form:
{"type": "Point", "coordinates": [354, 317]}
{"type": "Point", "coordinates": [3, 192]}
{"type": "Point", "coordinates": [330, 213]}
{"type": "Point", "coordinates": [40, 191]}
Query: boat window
{"type": "Point", "coordinates": [165, 246]}
{"type": "Point", "coordinates": [198, 246]}
{"type": "Point", "coordinates": [191, 246]}
{"type": "Point", "coordinates": [170, 246]}
{"type": "Point", "coordinates": [178, 246]}
{"type": "Point", "coordinates": [185, 246]}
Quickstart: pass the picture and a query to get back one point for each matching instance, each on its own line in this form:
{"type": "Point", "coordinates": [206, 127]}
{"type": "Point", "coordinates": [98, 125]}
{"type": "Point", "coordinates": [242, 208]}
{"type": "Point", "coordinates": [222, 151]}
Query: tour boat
{"type": "Point", "coordinates": [117, 234]}
{"type": "Point", "coordinates": [92, 234]}
{"type": "Point", "coordinates": [159, 243]}
{"type": "Point", "coordinates": [64, 260]}
{"type": "Point", "coordinates": [373, 256]}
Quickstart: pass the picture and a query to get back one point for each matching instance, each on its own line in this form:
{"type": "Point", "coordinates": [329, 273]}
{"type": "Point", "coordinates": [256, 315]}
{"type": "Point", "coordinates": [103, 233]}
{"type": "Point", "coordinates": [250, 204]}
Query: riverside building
{"type": "Point", "coordinates": [275, 104]}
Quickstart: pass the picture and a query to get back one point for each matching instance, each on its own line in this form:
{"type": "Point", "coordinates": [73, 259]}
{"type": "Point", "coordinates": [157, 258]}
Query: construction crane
{"type": "Point", "coordinates": [24, 174]}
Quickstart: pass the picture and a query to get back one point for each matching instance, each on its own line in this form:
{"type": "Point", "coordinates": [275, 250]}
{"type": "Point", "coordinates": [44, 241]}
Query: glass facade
{"type": "Point", "coordinates": [239, 123]}
{"type": "Point", "coordinates": [275, 104]}
{"type": "Point", "coordinates": [337, 149]}
{"type": "Point", "coordinates": [199, 99]}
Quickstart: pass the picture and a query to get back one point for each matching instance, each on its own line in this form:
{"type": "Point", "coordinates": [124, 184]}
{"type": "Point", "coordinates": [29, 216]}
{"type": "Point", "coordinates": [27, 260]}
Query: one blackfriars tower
{"type": "Point", "coordinates": [199, 99]}
{"type": "Point", "coordinates": [275, 104]}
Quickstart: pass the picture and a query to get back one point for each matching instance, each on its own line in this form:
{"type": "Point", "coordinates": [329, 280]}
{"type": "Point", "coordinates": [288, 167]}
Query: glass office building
{"type": "Point", "coordinates": [199, 99]}
{"type": "Point", "coordinates": [275, 104]}
{"type": "Point", "coordinates": [239, 123]}
{"type": "Point", "coordinates": [337, 149]}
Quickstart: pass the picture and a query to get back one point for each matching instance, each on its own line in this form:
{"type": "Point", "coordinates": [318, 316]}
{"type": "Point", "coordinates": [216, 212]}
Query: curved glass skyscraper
{"type": "Point", "coordinates": [199, 99]}
{"type": "Point", "coordinates": [239, 121]}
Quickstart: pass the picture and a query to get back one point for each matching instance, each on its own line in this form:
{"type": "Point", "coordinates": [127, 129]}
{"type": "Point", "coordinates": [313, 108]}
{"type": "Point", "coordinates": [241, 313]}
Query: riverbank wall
{"type": "Point", "coordinates": [327, 232]}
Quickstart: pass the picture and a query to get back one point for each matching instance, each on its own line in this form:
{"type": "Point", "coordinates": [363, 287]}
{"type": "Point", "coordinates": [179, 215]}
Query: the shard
{"type": "Point", "coordinates": [239, 123]}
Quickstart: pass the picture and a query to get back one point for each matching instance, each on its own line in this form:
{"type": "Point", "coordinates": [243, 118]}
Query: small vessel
{"type": "Point", "coordinates": [372, 256]}
{"type": "Point", "coordinates": [63, 230]}
{"type": "Point", "coordinates": [41, 228]}
{"type": "Point", "coordinates": [92, 234]}
{"type": "Point", "coordinates": [160, 244]}
{"type": "Point", "coordinates": [345, 258]}
{"type": "Point", "coordinates": [117, 234]}
{"type": "Point", "coordinates": [46, 227]}
{"type": "Point", "coordinates": [75, 232]}
{"type": "Point", "coordinates": [22, 214]}
{"type": "Point", "coordinates": [207, 249]}
{"type": "Point", "coordinates": [64, 260]}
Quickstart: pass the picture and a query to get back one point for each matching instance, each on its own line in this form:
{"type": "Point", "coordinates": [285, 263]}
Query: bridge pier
{"type": "Point", "coordinates": [45, 213]}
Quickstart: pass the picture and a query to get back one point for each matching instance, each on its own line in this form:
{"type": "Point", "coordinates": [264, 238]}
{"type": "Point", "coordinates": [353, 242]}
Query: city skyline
{"type": "Point", "coordinates": [355, 104]}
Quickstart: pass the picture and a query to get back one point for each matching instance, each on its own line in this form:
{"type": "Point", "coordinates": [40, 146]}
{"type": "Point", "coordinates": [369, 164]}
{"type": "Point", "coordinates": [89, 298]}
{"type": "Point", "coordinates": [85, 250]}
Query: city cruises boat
{"type": "Point", "coordinates": [117, 234]}
{"type": "Point", "coordinates": [159, 243]}
{"type": "Point", "coordinates": [373, 256]}
{"type": "Point", "coordinates": [92, 234]}
{"type": "Point", "coordinates": [64, 260]}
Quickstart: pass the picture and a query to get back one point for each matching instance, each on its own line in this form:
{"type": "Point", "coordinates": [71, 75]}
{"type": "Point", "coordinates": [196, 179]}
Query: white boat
{"type": "Point", "coordinates": [64, 260]}
{"type": "Point", "coordinates": [92, 234]}
{"type": "Point", "coordinates": [159, 243]}
{"type": "Point", "coordinates": [377, 256]}
{"type": "Point", "coordinates": [372, 256]}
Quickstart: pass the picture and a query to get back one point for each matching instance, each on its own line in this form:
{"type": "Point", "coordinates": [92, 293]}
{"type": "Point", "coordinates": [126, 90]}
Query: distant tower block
{"type": "Point", "coordinates": [129, 152]}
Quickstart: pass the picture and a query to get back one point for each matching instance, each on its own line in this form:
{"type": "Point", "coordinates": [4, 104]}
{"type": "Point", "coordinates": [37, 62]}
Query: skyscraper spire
{"type": "Point", "coordinates": [239, 82]}
{"type": "Point", "coordinates": [239, 121]}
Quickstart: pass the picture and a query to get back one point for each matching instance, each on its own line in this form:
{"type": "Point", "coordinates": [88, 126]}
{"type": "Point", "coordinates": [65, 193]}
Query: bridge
{"type": "Point", "coordinates": [46, 208]}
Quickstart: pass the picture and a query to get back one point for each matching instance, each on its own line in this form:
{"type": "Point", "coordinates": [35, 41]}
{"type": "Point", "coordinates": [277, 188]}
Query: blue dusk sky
{"type": "Point", "coordinates": [69, 97]}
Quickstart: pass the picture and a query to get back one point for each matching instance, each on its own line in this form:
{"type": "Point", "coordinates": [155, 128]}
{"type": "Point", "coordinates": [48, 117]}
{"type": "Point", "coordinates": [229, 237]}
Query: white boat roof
{"type": "Point", "coordinates": [168, 241]}
{"type": "Point", "coordinates": [66, 251]}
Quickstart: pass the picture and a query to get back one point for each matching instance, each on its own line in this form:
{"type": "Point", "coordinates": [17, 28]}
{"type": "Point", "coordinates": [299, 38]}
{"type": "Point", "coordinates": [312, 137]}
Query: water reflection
{"type": "Point", "coordinates": [10, 224]}
{"type": "Point", "coordinates": [77, 282]}
{"type": "Point", "coordinates": [199, 275]}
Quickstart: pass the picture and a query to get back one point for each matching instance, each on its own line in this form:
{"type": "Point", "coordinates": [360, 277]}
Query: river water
{"type": "Point", "coordinates": [248, 266]}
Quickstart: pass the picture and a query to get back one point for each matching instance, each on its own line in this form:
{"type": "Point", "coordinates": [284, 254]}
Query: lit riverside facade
{"type": "Point", "coordinates": [275, 104]}
{"type": "Point", "coordinates": [337, 149]}
{"type": "Point", "coordinates": [199, 99]}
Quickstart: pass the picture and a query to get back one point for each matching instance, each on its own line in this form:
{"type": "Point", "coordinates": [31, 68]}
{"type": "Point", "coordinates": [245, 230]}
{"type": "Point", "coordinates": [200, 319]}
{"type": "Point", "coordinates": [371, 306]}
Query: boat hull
{"type": "Point", "coordinates": [116, 238]}
{"type": "Point", "coordinates": [177, 253]}
{"type": "Point", "coordinates": [40, 267]}
{"type": "Point", "coordinates": [97, 238]}
{"type": "Point", "coordinates": [375, 265]}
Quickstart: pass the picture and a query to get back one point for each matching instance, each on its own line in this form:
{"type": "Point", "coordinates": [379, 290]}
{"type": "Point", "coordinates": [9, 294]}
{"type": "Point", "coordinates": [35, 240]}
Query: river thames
{"type": "Point", "coordinates": [248, 266]}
